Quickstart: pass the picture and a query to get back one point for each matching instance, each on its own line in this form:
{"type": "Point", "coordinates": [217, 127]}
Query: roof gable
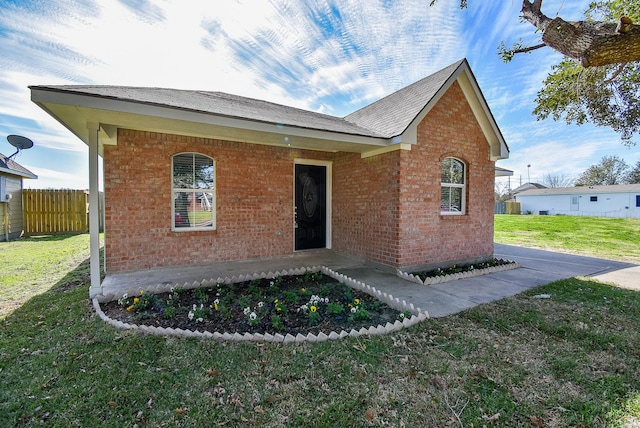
{"type": "Point", "coordinates": [9, 166]}
{"type": "Point", "coordinates": [387, 124]}
{"type": "Point", "coordinates": [393, 114]}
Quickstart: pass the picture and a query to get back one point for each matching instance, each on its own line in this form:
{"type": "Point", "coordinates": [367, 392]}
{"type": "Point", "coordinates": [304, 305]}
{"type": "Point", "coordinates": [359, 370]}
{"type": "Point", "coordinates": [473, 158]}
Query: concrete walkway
{"type": "Point", "coordinates": [538, 267]}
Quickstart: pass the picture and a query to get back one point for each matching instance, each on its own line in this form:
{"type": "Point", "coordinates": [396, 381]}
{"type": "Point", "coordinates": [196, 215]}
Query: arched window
{"type": "Point", "coordinates": [193, 190]}
{"type": "Point", "coordinates": [453, 187]}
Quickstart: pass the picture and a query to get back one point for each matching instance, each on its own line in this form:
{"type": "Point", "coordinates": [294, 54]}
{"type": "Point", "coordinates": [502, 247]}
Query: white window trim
{"type": "Point", "coordinates": [177, 189]}
{"type": "Point", "coordinates": [463, 186]}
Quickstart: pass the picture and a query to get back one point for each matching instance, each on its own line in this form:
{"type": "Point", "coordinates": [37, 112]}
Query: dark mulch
{"type": "Point", "coordinates": [461, 268]}
{"type": "Point", "coordinates": [222, 307]}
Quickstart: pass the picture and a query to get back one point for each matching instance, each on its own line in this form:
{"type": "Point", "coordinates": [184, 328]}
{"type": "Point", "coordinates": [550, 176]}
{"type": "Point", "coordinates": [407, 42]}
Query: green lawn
{"type": "Point", "coordinates": [571, 360]}
{"type": "Point", "coordinates": [31, 266]}
{"type": "Point", "coordinates": [610, 238]}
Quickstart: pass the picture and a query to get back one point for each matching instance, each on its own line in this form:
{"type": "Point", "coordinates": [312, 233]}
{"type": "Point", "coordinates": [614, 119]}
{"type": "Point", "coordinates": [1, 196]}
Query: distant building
{"type": "Point", "coordinates": [11, 217]}
{"type": "Point", "coordinates": [598, 201]}
{"type": "Point", "coordinates": [527, 186]}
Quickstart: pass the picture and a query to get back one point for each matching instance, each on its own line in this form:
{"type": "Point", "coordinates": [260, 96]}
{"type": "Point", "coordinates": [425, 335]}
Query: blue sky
{"type": "Point", "coordinates": [330, 56]}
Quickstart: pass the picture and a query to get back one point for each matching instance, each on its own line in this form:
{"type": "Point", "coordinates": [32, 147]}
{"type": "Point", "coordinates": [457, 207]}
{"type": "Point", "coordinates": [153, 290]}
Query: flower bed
{"type": "Point", "coordinates": [307, 305]}
{"type": "Point", "coordinates": [451, 273]}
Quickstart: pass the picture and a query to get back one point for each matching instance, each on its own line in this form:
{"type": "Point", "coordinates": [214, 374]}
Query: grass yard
{"type": "Point", "coordinates": [31, 266]}
{"type": "Point", "coordinates": [571, 360]}
{"type": "Point", "coordinates": [609, 238]}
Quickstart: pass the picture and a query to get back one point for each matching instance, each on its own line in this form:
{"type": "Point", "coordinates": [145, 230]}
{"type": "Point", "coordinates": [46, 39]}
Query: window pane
{"type": "Point", "coordinates": [183, 171]}
{"type": "Point", "coordinates": [192, 171]}
{"type": "Point", "coordinates": [452, 171]}
{"type": "Point", "coordinates": [181, 218]}
{"type": "Point", "coordinates": [203, 172]}
{"type": "Point", "coordinates": [451, 199]}
{"type": "Point", "coordinates": [193, 209]}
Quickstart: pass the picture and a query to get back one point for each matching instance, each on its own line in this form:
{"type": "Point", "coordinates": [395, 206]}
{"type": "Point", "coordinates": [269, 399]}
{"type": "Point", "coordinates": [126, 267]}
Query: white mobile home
{"type": "Point", "coordinates": [597, 201]}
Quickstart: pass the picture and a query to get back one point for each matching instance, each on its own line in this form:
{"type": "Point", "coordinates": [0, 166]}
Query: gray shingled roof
{"type": "Point", "coordinates": [385, 118]}
{"type": "Point", "coordinates": [12, 167]}
{"type": "Point", "coordinates": [391, 115]}
{"type": "Point", "coordinates": [220, 104]}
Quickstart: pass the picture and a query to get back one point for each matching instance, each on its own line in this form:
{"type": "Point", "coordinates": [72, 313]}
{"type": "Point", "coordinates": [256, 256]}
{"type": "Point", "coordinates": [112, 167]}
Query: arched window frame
{"type": "Point", "coordinates": [193, 196]}
{"type": "Point", "coordinates": [453, 186]}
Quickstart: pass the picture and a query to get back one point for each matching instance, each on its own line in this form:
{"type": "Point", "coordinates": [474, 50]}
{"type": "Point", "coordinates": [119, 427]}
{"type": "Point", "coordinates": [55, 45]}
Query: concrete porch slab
{"type": "Point", "coordinates": [539, 267]}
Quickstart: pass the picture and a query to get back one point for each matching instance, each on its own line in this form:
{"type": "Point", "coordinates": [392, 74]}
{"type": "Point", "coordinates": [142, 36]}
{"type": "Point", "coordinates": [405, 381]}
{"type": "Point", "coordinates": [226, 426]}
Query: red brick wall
{"type": "Point", "coordinates": [386, 208]}
{"type": "Point", "coordinates": [254, 202]}
{"type": "Point", "coordinates": [365, 206]}
{"type": "Point", "coordinates": [426, 237]}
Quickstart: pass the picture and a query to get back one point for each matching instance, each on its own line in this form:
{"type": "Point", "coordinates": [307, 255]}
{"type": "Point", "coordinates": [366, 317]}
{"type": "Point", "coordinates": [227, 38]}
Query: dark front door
{"type": "Point", "coordinates": [311, 205]}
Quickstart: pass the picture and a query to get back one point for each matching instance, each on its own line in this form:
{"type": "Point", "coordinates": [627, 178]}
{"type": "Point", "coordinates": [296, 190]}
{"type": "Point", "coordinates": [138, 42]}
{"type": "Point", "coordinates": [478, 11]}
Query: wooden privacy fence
{"type": "Point", "coordinates": [506, 208]}
{"type": "Point", "coordinates": [55, 211]}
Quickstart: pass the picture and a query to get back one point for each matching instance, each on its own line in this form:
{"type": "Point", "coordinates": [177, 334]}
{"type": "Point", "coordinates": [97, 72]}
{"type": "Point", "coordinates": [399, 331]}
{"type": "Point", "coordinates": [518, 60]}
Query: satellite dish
{"type": "Point", "coordinates": [20, 143]}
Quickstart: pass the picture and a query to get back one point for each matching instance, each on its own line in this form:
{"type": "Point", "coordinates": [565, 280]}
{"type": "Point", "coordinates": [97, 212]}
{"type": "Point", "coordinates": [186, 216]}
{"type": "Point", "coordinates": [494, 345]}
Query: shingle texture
{"type": "Point", "coordinates": [385, 118]}
{"type": "Point", "coordinates": [11, 166]}
{"type": "Point", "coordinates": [391, 115]}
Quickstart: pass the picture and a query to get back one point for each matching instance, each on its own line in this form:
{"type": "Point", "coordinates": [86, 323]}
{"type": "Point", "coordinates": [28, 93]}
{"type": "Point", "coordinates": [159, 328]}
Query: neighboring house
{"type": "Point", "coordinates": [527, 186]}
{"type": "Point", "coordinates": [405, 181]}
{"type": "Point", "coordinates": [502, 172]}
{"type": "Point", "coordinates": [11, 216]}
{"type": "Point", "coordinates": [599, 201]}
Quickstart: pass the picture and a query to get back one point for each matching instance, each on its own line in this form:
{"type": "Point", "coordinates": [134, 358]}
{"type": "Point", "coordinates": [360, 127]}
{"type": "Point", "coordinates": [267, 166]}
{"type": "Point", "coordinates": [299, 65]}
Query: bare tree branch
{"type": "Point", "coordinates": [589, 43]}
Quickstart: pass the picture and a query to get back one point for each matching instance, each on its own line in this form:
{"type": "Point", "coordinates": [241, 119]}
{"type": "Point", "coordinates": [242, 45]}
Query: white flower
{"type": "Point", "coordinates": [253, 316]}
{"type": "Point", "coordinates": [401, 315]}
{"type": "Point", "coordinates": [199, 320]}
{"type": "Point", "coordinates": [272, 283]}
{"type": "Point", "coordinates": [260, 304]}
{"type": "Point", "coordinates": [304, 307]}
{"type": "Point", "coordinates": [353, 310]}
{"type": "Point", "coordinates": [217, 301]}
{"type": "Point", "coordinates": [246, 310]}
{"type": "Point", "coordinates": [190, 315]}
{"type": "Point", "coordinates": [125, 295]}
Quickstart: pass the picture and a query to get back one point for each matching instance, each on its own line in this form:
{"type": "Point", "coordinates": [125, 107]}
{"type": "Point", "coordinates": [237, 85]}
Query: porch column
{"type": "Point", "coordinates": [94, 211]}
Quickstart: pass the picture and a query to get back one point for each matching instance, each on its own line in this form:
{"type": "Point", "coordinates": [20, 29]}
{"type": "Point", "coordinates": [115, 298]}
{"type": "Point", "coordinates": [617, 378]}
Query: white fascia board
{"type": "Point", "coordinates": [17, 173]}
{"type": "Point", "coordinates": [498, 147]}
{"type": "Point", "coordinates": [471, 90]}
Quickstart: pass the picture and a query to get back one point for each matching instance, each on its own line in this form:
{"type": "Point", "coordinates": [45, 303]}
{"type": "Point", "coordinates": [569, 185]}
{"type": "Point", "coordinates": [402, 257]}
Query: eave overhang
{"type": "Point", "coordinates": [17, 173]}
{"type": "Point", "coordinates": [75, 111]}
{"type": "Point", "coordinates": [465, 78]}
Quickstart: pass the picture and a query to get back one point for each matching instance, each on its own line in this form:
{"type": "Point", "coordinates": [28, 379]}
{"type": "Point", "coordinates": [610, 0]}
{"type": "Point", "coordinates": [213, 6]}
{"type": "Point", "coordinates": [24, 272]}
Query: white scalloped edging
{"type": "Point", "coordinates": [454, 276]}
{"type": "Point", "coordinates": [417, 314]}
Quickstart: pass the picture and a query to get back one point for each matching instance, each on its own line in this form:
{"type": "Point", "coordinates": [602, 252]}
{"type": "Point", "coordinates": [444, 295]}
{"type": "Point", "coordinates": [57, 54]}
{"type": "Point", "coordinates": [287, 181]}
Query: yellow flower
{"type": "Point", "coordinates": [356, 301]}
{"type": "Point", "coordinates": [135, 300]}
{"type": "Point", "coordinates": [303, 289]}
{"type": "Point", "coordinates": [129, 308]}
{"type": "Point", "coordinates": [313, 309]}
{"type": "Point", "coordinates": [275, 301]}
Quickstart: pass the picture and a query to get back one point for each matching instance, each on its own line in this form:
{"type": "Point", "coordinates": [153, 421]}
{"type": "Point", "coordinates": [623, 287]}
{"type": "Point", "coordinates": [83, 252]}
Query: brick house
{"type": "Point", "coordinates": [404, 182]}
